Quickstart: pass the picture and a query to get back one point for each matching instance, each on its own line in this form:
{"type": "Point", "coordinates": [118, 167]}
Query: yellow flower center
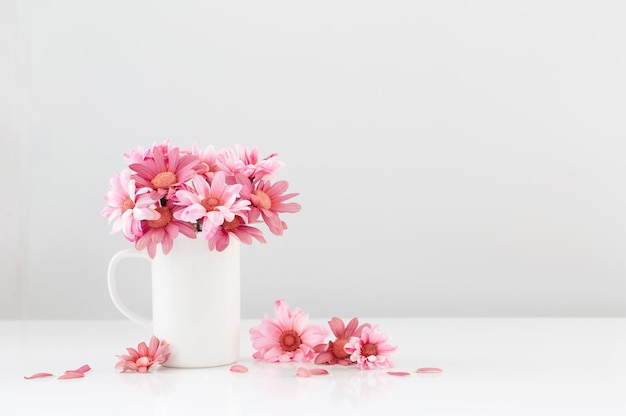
{"type": "Point", "coordinates": [164, 180]}
{"type": "Point", "coordinates": [166, 217]}
{"type": "Point", "coordinates": [210, 203]}
{"type": "Point", "coordinates": [128, 204]}
{"type": "Point", "coordinates": [142, 362]}
{"type": "Point", "coordinates": [265, 202]}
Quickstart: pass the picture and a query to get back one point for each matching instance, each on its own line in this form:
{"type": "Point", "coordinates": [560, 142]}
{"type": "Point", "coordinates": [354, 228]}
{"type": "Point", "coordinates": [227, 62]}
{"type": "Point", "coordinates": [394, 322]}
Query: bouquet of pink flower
{"type": "Point", "coordinates": [167, 191]}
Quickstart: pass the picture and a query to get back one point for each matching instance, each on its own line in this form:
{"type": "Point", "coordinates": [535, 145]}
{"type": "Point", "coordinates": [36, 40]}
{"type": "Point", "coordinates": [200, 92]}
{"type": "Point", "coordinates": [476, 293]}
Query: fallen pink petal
{"type": "Point", "coordinates": [303, 372]}
{"type": "Point", "coordinates": [239, 369]}
{"type": "Point", "coordinates": [398, 373]}
{"type": "Point", "coordinates": [82, 369]}
{"type": "Point", "coordinates": [72, 374]}
{"type": "Point", "coordinates": [38, 375]}
{"type": "Point", "coordinates": [318, 372]}
{"type": "Point", "coordinates": [429, 370]}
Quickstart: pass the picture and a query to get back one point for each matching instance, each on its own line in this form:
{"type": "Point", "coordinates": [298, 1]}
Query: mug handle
{"type": "Point", "coordinates": [112, 278]}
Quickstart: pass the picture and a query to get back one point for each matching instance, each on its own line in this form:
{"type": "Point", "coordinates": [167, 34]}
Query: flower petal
{"type": "Point", "coordinates": [318, 372]}
{"type": "Point", "coordinates": [303, 372]}
{"type": "Point", "coordinates": [38, 375]}
{"type": "Point", "coordinates": [239, 368]}
{"type": "Point", "coordinates": [82, 369]}
{"type": "Point", "coordinates": [431, 370]}
{"type": "Point", "coordinates": [337, 326]}
{"type": "Point", "coordinates": [72, 374]}
{"type": "Point", "coordinates": [398, 373]}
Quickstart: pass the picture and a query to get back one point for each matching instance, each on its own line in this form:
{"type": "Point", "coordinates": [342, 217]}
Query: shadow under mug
{"type": "Point", "coordinates": [195, 301]}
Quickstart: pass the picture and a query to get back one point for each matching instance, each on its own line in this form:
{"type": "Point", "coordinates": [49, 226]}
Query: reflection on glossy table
{"type": "Point", "coordinates": [492, 366]}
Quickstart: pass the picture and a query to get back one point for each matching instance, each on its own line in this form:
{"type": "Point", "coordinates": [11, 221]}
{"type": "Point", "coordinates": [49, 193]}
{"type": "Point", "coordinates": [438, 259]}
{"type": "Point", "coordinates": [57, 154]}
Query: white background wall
{"type": "Point", "coordinates": [453, 158]}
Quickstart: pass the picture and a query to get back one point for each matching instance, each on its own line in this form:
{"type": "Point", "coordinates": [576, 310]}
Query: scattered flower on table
{"type": "Point", "coordinates": [166, 191]}
{"type": "Point", "coordinates": [289, 338]}
{"type": "Point", "coordinates": [398, 373]}
{"type": "Point", "coordinates": [334, 352]}
{"type": "Point", "coordinates": [371, 349]}
{"type": "Point", "coordinates": [144, 357]}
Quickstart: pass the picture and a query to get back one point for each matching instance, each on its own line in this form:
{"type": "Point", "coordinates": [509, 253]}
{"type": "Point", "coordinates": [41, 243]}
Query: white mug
{"type": "Point", "coordinates": [195, 301]}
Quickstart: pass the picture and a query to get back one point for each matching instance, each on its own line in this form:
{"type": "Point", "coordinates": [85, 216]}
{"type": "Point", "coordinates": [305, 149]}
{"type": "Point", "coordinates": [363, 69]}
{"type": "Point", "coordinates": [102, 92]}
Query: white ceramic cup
{"type": "Point", "coordinates": [195, 301]}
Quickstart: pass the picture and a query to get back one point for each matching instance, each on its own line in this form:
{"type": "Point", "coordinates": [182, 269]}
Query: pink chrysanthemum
{"type": "Point", "coordinates": [287, 339]}
{"type": "Point", "coordinates": [163, 230]}
{"type": "Point", "coordinates": [210, 204]}
{"type": "Point", "coordinates": [219, 238]}
{"type": "Point", "coordinates": [246, 161]}
{"type": "Point", "coordinates": [268, 200]}
{"type": "Point", "coordinates": [126, 206]}
{"type": "Point", "coordinates": [140, 154]}
{"type": "Point", "coordinates": [163, 172]}
{"type": "Point", "coordinates": [333, 352]}
{"type": "Point", "coordinates": [144, 357]}
{"type": "Point", "coordinates": [371, 349]}
{"type": "Point", "coordinates": [208, 159]}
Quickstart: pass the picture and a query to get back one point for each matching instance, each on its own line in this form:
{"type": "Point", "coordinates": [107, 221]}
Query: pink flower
{"type": "Point", "coordinates": [144, 357]}
{"type": "Point", "coordinates": [333, 352]}
{"type": "Point", "coordinates": [287, 339]}
{"type": "Point", "coordinates": [212, 204]}
{"type": "Point", "coordinates": [164, 172]}
{"type": "Point", "coordinates": [268, 200]}
{"type": "Point", "coordinates": [163, 230]}
{"type": "Point", "coordinates": [371, 349]}
{"type": "Point", "coordinates": [208, 159]}
{"type": "Point", "coordinates": [246, 161]}
{"type": "Point", "coordinates": [126, 206]}
{"type": "Point", "coordinates": [220, 237]}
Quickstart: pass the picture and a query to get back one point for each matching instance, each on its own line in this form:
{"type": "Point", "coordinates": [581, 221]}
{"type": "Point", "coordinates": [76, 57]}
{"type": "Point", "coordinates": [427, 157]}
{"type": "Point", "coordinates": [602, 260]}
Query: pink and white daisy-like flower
{"type": "Point", "coordinates": [208, 159]}
{"type": "Point", "coordinates": [219, 238]}
{"type": "Point", "coordinates": [210, 204]}
{"type": "Point", "coordinates": [371, 349]}
{"type": "Point", "coordinates": [287, 339]}
{"type": "Point", "coordinates": [333, 352]}
{"type": "Point", "coordinates": [163, 230]}
{"type": "Point", "coordinates": [140, 154]}
{"type": "Point", "coordinates": [144, 357]}
{"type": "Point", "coordinates": [127, 206]}
{"type": "Point", "coordinates": [163, 172]}
{"type": "Point", "coordinates": [246, 161]}
{"type": "Point", "coordinates": [268, 200]}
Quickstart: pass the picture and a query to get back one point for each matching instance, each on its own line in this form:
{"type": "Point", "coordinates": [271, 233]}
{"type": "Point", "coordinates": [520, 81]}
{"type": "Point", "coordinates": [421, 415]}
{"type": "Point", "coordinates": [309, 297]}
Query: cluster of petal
{"type": "Point", "coordinates": [145, 356]}
{"type": "Point", "coordinates": [334, 352]}
{"type": "Point", "coordinates": [169, 191]}
{"type": "Point", "coordinates": [370, 350]}
{"type": "Point", "coordinates": [210, 204]}
{"type": "Point", "coordinates": [289, 338]}
{"type": "Point", "coordinates": [163, 230]}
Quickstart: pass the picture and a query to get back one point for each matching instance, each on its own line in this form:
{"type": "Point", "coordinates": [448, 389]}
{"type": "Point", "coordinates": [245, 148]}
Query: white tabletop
{"type": "Point", "coordinates": [492, 366]}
